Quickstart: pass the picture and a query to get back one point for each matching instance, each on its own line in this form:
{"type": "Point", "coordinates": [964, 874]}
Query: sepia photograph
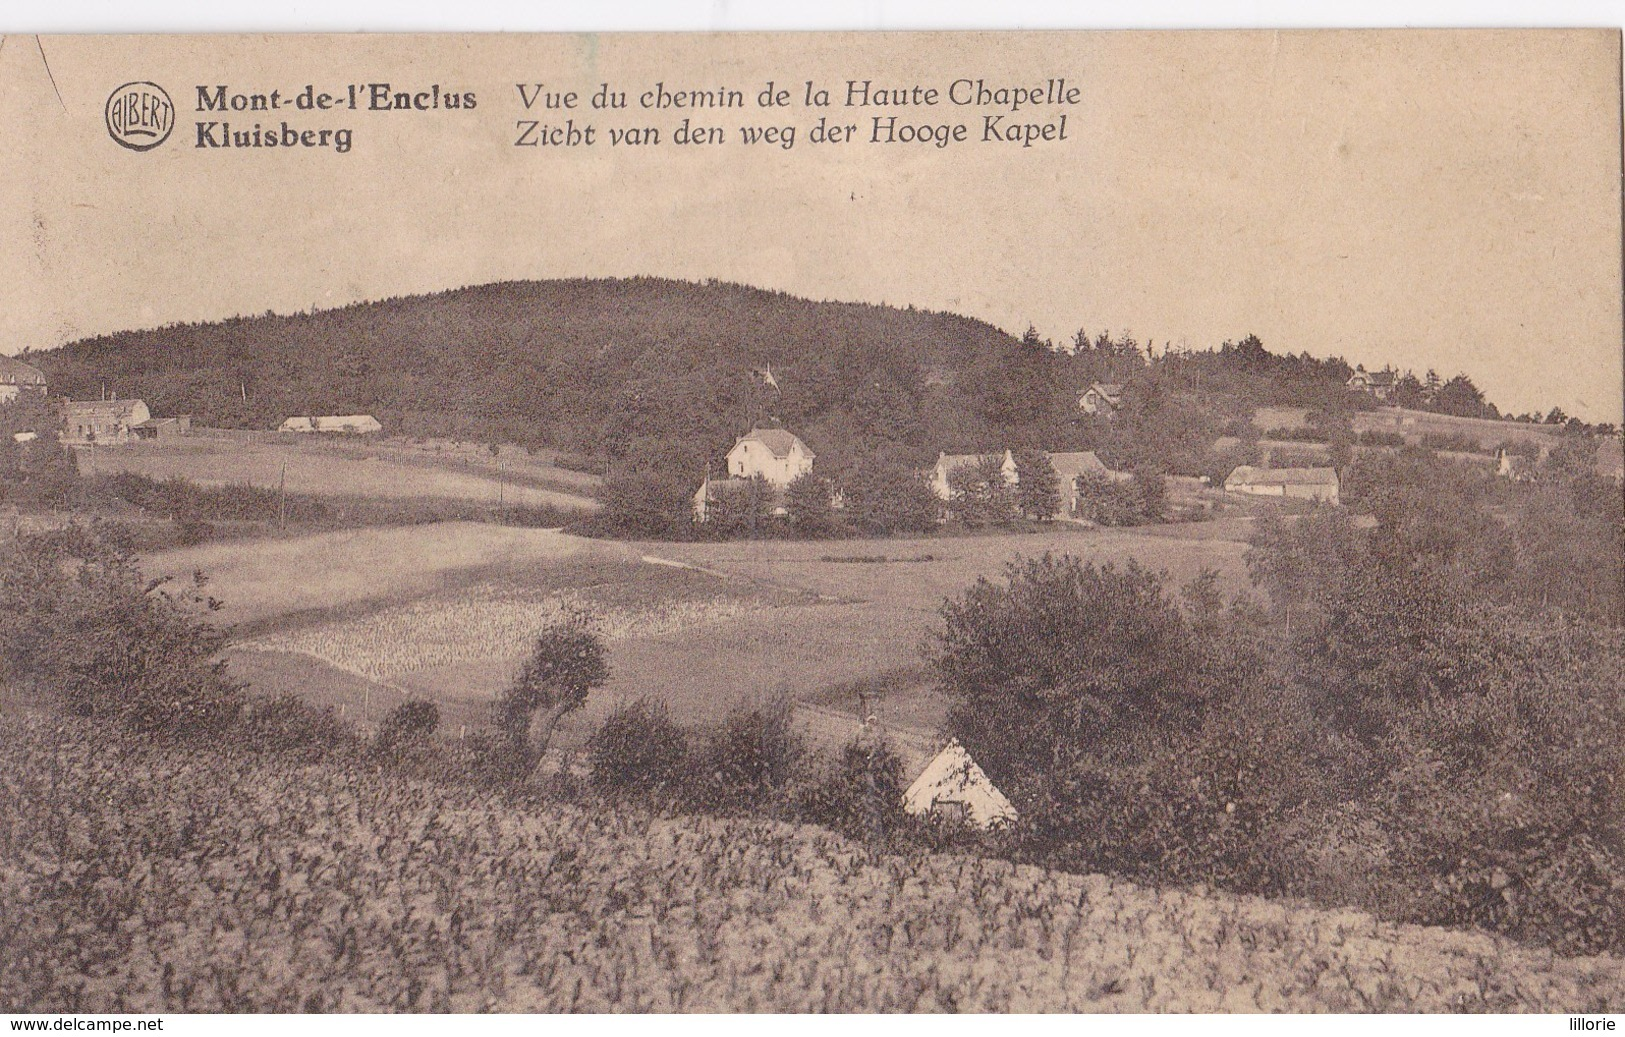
{"type": "Point", "coordinates": [812, 522]}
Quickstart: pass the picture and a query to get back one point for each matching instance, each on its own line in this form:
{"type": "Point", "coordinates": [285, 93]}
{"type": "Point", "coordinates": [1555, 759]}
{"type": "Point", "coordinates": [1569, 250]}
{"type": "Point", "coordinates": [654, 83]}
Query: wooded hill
{"type": "Point", "coordinates": [645, 371]}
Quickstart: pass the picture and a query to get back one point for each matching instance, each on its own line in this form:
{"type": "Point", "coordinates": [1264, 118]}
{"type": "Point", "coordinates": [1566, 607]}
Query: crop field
{"type": "Point", "coordinates": [327, 473]}
{"type": "Point", "coordinates": [134, 878]}
{"type": "Point", "coordinates": [446, 611]}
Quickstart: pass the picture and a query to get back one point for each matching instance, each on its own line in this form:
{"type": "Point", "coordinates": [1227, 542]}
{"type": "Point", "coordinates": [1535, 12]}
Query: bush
{"type": "Point", "coordinates": [638, 750]}
{"type": "Point", "coordinates": [1061, 658]}
{"type": "Point", "coordinates": [289, 724]}
{"type": "Point", "coordinates": [749, 761]}
{"type": "Point", "coordinates": [84, 624]}
{"type": "Point", "coordinates": [1377, 437]}
{"type": "Point", "coordinates": [412, 723]}
{"type": "Point", "coordinates": [860, 793]}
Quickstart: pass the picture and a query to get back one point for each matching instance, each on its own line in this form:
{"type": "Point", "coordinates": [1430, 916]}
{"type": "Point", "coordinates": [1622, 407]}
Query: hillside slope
{"type": "Point", "coordinates": [600, 366]}
{"type": "Point", "coordinates": [134, 879]}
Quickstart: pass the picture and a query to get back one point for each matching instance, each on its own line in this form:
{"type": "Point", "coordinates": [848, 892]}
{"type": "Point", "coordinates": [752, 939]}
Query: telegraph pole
{"type": "Point", "coordinates": [282, 498]}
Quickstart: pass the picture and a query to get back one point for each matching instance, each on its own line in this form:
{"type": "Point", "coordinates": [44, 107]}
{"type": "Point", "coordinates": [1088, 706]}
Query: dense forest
{"type": "Point", "coordinates": [660, 374]}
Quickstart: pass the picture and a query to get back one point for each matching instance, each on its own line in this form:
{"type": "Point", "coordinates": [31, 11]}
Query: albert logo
{"type": "Point", "coordinates": [140, 116]}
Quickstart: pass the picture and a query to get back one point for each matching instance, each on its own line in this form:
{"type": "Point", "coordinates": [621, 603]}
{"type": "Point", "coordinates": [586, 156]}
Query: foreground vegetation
{"type": "Point", "coordinates": [140, 877]}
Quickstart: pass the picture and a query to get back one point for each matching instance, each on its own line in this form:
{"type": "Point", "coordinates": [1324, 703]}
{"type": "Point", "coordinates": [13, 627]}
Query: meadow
{"type": "Point", "coordinates": [135, 877]}
{"type": "Point", "coordinates": [324, 470]}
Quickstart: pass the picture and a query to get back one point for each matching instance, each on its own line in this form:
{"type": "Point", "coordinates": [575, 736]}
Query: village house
{"type": "Point", "coordinates": [1297, 483]}
{"type": "Point", "coordinates": [947, 463]}
{"type": "Point", "coordinates": [355, 424]}
{"type": "Point", "coordinates": [17, 378]}
{"type": "Point", "coordinates": [1379, 384]}
{"type": "Point", "coordinates": [104, 422]}
{"type": "Point", "coordinates": [1075, 469]}
{"type": "Point", "coordinates": [1101, 399]}
{"type": "Point", "coordinates": [774, 454]}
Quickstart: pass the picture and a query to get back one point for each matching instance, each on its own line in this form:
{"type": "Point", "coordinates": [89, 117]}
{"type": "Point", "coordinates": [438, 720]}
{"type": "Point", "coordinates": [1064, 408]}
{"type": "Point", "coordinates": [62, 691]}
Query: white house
{"type": "Point", "coordinates": [947, 463]}
{"type": "Point", "coordinates": [774, 454]}
{"type": "Point", "coordinates": [354, 423]}
{"type": "Point", "coordinates": [953, 786]}
{"type": "Point", "coordinates": [1100, 399]}
{"type": "Point", "coordinates": [1300, 483]}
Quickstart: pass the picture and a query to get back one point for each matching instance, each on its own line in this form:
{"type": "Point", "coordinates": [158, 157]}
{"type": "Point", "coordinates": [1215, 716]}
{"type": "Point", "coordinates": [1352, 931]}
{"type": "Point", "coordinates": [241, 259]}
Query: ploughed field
{"type": "Point", "coordinates": [446, 611]}
{"type": "Point", "coordinates": [136, 878]}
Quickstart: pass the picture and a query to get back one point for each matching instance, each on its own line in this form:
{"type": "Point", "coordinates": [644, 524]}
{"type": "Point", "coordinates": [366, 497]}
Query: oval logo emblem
{"type": "Point", "coordinates": [140, 116]}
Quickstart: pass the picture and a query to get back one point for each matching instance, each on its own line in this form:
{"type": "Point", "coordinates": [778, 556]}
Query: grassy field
{"type": "Point", "coordinates": [319, 470]}
{"type": "Point", "coordinates": [446, 612]}
{"type": "Point", "coordinates": [140, 879]}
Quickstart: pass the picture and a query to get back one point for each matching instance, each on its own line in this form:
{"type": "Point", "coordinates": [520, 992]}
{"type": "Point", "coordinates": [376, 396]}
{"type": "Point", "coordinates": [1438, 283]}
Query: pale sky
{"type": "Point", "coordinates": [1437, 199]}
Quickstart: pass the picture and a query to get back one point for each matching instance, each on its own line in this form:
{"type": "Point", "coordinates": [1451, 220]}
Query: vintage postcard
{"type": "Point", "coordinates": [795, 522]}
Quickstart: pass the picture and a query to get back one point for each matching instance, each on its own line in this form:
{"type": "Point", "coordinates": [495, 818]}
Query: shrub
{"type": "Point", "coordinates": [411, 723]}
{"type": "Point", "coordinates": [750, 759]}
{"type": "Point", "coordinates": [85, 624]}
{"type": "Point", "coordinates": [859, 793]}
{"type": "Point", "coordinates": [289, 724]}
{"type": "Point", "coordinates": [1377, 437]}
{"type": "Point", "coordinates": [1059, 658]}
{"type": "Point", "coordinates": [638, 750]}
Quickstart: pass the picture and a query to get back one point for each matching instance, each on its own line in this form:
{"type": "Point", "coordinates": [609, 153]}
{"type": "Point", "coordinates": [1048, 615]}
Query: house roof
{"type": "Point", "coordinates": [1375, 377]}
{"type": "Point", "coordinates": [112, 409]}
{"type": "Point", "coordinates": [1110, 390]}
{"type": "Point", "coordinates": [948, 462]}
{"type": "Point", "coordinates": [953, 777]}
{"type": "Point", "coordinates": [15, 372]}
{"type": "Point", "coordinates": [1071, 464]}
{"type": "Point", "coordinates": [1248, 475]}
{"type": "Point", "coordinates": [780, 441]}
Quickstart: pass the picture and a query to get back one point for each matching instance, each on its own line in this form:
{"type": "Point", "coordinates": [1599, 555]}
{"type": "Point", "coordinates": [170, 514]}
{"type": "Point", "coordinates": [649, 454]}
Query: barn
{"type": "Point", "coordinates": [1299, 483]}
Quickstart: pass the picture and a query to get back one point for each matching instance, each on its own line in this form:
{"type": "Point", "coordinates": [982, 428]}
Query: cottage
{"type": "Point", "coordinates": [1374, 383]}
{"type": "Point", "coordinates": [17, 378]}
{"type": "Point", "coordinates": [1077, 468]}
{"type": "Point", "coordinates": [1300, 483]}
{"type": "Point", "coordinates": [1101, 399]}
{"type": "Point", "coordinates": [952, 786]}
{"type": "Point", "coordinates": [105, 422]}
{"type": "Point", "coordinates": [774, 454]}
{"type": "Point", "coordinates": [947, 463]}
{"type": "Point", "coordinates": [355, 424]}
